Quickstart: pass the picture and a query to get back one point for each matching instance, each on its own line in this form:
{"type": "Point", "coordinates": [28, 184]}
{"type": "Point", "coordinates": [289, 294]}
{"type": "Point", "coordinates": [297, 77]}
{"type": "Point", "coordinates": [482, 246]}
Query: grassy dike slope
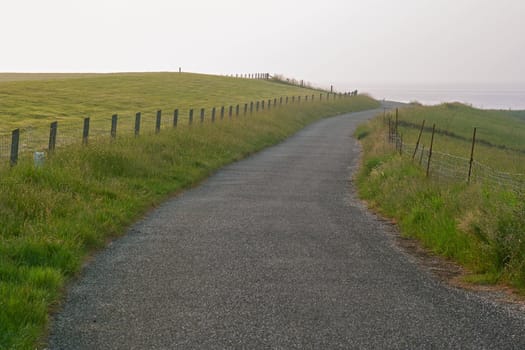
{"type": "Point", "coordinates": [481, 225]}
{"type": "Point", "coordinates": [54, 217]}
{"type": "Point", "coordinates": [26, 103]}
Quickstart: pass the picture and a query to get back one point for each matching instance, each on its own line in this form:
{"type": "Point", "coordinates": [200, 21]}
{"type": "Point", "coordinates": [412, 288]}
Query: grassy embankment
{"type": "Point", "coordinates": [71, 97]}
{"type": "Point", "coordinates": [55, 216]}
{"type": "Point", "coordinates": [481, 225]}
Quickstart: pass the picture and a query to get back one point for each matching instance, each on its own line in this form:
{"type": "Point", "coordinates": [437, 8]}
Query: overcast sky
{"type": "Point", "coordinates": [366, 41]}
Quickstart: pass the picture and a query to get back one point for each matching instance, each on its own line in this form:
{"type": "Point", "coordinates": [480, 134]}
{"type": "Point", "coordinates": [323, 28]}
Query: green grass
{"type": "Point", "coordinates": [35, 103]}
{"type": "Point", "coordinates": [55, 216]}
{"type": "Point", "coordinates": [500, 134]}
{"type": "Point", "coordinates": [481, 225]}
{"type": "Point", "coordinates": [31, 105]}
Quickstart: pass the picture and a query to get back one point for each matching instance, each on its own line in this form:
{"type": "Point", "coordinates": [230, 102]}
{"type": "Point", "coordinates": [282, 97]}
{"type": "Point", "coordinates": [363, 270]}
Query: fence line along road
{"type": "Point", "coordinates": [28, 140]}
{"type": "Point", "coordinates": [447, 166]}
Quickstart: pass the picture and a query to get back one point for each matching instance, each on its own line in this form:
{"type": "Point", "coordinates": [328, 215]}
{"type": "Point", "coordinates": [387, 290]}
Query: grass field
{"type": "Point", "coordinates": [481, 225]}
{"type": "Point", "coordinates": [30, 102]}
{"type": "Point", "coordinates": [34, 103]}
{"type": "Point", "coordinates": [55, 216]}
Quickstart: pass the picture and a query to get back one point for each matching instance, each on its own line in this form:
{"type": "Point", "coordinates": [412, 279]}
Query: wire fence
{"type": "Point", "coordinates": [449, 167]}
{"type": "Point", "coordinates": [30, 140]}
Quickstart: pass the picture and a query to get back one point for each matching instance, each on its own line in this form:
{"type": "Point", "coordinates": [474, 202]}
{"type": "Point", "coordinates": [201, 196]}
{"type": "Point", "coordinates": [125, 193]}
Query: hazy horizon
{"type": "Point", "coordinates": [377, 42]}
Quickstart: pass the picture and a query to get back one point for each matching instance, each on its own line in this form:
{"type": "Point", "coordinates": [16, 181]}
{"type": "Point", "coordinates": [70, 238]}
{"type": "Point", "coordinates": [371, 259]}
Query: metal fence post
{"type": "Point", "coordinates": [471, 155]}
{"type": "Point", "coordinates": [430, 150]}
{"type": "Point", "coordinates": [418, 139]}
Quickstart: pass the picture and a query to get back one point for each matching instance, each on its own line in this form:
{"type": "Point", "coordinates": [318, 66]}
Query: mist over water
{"type": "Point", "coordinates": [500, 97]}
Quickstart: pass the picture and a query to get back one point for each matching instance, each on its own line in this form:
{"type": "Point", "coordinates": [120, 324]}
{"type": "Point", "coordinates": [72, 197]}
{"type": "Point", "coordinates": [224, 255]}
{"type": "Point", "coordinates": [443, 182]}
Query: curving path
{"type": "Point", "coordinates": [273, 252]}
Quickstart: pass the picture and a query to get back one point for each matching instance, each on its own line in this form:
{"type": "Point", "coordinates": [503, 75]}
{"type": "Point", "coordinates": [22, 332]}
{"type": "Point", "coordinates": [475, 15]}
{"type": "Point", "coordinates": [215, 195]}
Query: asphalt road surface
{"type": "Point", "coordinates": [273, 252]}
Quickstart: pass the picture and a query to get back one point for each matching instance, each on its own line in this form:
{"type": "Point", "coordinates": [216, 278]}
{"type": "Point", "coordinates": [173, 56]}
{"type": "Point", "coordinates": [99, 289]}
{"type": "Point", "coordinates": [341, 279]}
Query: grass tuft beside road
{"type": "Point", "coordinates": [55, 216]}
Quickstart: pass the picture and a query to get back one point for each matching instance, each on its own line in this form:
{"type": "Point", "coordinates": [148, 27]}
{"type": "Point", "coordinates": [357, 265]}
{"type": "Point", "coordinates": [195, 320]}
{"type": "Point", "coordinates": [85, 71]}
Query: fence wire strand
{"type": "Point", "coordinates": [454, 168]}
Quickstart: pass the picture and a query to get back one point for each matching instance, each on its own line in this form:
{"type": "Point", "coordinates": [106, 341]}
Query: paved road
{"type": "Point", "coordinates": [273, 252]}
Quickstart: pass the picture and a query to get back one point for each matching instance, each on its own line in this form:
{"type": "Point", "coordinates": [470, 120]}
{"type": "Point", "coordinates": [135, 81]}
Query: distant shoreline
{"type": "Point", "coordinates": [484, 98]}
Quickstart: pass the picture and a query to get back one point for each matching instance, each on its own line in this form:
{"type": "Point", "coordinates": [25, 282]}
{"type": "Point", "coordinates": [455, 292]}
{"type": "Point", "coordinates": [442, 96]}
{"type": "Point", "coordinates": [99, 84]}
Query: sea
{"type": "Point", "coordinates": [483, 97]}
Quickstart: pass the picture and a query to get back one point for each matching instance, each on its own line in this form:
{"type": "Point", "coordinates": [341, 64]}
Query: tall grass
{"type": "Point", "coordinates": [480, 225]}
{"type": "Point", "coordinates": [53, 217]}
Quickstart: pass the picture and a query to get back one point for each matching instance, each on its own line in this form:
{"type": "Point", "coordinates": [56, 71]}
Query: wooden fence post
{"type": "Point", "coordinates": [396, 136]}
{"type": "Point", "coordinates": [230, 112]}
{"type": "Point", "coordinates": [213, 115]}
{"type": "Point", "coordinates": [262, 105]}
{"type": "Point", "coordinates": [397, 121]}
{"type": "Point", "coordinates": [175, 117]}
{"type": "Point", "coordinates": [85, 131]}
{"type": "Point", "coordinates": [158, 121]}
{"type": "Point", "coordinates": [251, 107]}
{"type": "Point", "coordinates": [389, 130]}
{"type": "Point", "coordinates": [471, 155]}
{"type": "Point", "coordinates": [286, 99]}
{"type": "Point", "coordinates": [430, 150]}
{"type": "Point", "coordinates": [418, 139]}
{"type": "Point", "coordinates": [137, 123]}
{"type": "Point", "coordinates": [52, 136]}
{"type": "Point", "coordinates": [237, 110]}
{"type": "Point", "coordinates": [202, 115]}
{"type": "Point", "coordinates": [114, 120]}
{"type": "Point", "coordinates": [280, 100]}
{"type": "Point", "coordinates": [293, 99]}
{"type": "Point", "coordinates": [245, 108]}
{"type": "Point", "coordinates": [257, 107]}
{"type": "Point", "coordinates": [190, 122]}
{"type": "Point", "coordinates": [269, 104]}
{"type": "Point", "coordinates": [15, 142]}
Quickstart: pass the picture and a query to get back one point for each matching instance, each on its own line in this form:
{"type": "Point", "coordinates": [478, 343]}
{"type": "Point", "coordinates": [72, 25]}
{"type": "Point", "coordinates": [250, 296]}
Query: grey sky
{"type": "Point", "coordinates": [365, 41]}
